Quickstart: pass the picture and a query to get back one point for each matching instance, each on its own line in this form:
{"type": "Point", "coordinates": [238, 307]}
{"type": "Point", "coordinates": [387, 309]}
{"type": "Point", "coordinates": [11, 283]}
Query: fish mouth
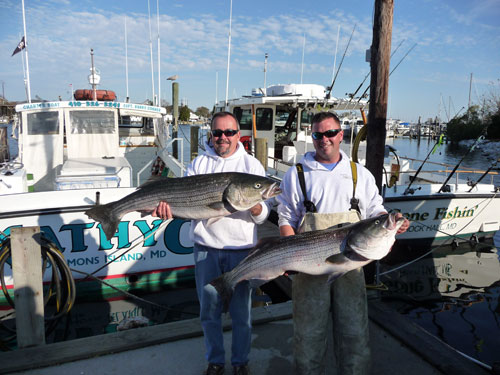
{"type": "Point", "coordinates": [271, 191]}
{"type": "Point", "coordinates": [393, 223]}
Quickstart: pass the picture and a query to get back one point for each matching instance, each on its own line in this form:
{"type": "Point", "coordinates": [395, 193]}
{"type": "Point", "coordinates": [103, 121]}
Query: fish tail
{"type": "Point", "coordinates": [225, 290]}
{"type": "Point", "coordinates": [108, 218]}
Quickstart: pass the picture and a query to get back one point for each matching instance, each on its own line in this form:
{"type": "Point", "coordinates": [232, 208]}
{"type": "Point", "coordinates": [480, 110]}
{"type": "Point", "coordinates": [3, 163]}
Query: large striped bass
{"type": "Point", "coordinates": [205, 196]}
{"type": "Point", "coordinates": [333, 251]}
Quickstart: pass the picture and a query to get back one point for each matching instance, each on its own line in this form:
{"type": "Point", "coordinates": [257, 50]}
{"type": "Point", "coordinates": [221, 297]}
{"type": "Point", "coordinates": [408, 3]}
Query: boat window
{"type": "Point", "coordinates": [92, 122]}
{"type": "Point", "coordinates": [305, 119]}
{"type": "Point", "coordinates": [263, 118]}
{"type": "Point", "coordinates": [130, 121]}
{"type": "Point", "coordinates": [43, 123]}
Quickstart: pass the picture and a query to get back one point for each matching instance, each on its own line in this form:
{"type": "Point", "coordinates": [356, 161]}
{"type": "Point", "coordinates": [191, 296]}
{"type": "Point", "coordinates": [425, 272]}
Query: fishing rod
{"type": "Point", "coordinates": [341, 61]}
{"type": "Point", "coordinates": [439, 142]}
{"type": "Point", "coordinates": [484, 175]}
{"type": "Point", "coordinates": [361, 84]}
{"type": "Point", "coordinates": [400, 61]}
{"type": "Point", "coordinates": [480, 138]}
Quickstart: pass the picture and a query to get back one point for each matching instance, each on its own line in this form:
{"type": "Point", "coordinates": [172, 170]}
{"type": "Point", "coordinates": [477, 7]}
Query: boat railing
{"type": "Point", "coordinates": [446, 171]}
{"type": "Point", "coordinates": [175, 165]}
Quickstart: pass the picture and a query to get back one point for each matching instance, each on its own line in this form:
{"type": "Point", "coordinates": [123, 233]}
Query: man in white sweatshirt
{"type": "Point", "coordinates": [333, 190]}
{"type": "Point", "coordinates": [221, 245]}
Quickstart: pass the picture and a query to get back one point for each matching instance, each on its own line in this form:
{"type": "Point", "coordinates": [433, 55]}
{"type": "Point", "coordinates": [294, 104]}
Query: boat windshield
{"type": "Point", "coordinates": [92, 122]}
{"type": "Point", "coordinates": [42, 123]}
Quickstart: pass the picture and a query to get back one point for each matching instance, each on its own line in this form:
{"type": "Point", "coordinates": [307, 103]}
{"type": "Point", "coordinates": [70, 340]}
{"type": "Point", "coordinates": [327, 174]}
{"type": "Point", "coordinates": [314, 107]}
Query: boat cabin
{"type": "Point", "coordinates": [283, 117]}
{"type": "Point", "coordinates": [82, 144]}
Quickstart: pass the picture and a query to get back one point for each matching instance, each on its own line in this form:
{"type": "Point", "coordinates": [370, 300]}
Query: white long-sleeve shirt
{"type": "Point", "coordinates": [331, 191]}
{"type": "Point", "coordinates": [238, 230]}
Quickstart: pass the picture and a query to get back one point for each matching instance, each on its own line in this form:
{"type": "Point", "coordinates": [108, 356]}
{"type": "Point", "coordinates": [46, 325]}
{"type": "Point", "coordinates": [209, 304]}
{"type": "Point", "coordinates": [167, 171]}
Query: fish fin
{"type": "Point", "coordinates": [105, 215]}
{"type": "Point", "coordinates": [337, 259]}
{"type": "Point", "coordinates": [335, 276]}
{"type": "Point", "coordinates": [224, 289]}
{"type": "Point", "coordinates": [213, 220]}
{"type": "Point", "coordinates": [264, 243]}
{"type": "Point", "coordinates": [145, 213]}
{"type": "Point", "coordinates": [152, 180]}
{"type": "Point", "coordinates": [255, 283]}
{"type": "Point", "coordinates": [217, 206]}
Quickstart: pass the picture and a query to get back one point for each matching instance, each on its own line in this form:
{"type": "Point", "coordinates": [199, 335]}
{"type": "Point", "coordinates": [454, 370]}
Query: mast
{"type": "Point", "coordinates": [92, 74]}
{"type": "Point", "coordinates": [216, 85]}
{"type": "Point", "coordinates": [151, 54]}
{"type": "Point", "coordinates": [158, 23]}
{"type": "Point", "coordinates": [126, 61]}
{"type": "Point", "coordinates": [28, 88]}
{"type": "Point", "coordinates": [470, 89]}
{"type": "Point", "coordinates": [229, 51]}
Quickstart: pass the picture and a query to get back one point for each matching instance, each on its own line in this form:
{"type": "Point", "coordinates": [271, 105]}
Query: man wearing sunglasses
{"type": "Point", "coordinates": [219, 246]}
{"type": "Point", "coordinates": [334, 191]}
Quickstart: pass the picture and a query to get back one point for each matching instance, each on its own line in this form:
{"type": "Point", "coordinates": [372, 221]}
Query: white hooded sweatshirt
{"type": "Point", "coordinates": [331, 191]}
{"type": "Point", "coordinates": [238, 230]}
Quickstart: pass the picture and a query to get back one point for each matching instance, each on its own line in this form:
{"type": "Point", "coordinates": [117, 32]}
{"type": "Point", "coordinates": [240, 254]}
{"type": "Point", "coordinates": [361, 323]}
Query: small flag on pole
{"type": "Point", "coordinates": [19, 47]}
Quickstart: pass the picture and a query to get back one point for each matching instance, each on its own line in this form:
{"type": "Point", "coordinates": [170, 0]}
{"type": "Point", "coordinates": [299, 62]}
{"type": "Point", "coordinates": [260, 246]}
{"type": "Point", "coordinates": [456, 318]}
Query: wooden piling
{"type": "Point", "coordinates": [4, 147]}
{"type": "Point", "coordinates": [194, 141]}
{"type": "Point", "coordinates": [28, 289]}
{"type": "Point", "coordinates": [175, 117]}
{"type": "Point", "coordinates": [379, 87]}
{"type": "Point", "coordinates": [261, 151]}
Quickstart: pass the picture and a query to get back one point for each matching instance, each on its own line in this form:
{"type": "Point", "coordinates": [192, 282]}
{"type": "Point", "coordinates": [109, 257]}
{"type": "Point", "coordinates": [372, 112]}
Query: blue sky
{"type": "Point", "coordinates": [454, 39]}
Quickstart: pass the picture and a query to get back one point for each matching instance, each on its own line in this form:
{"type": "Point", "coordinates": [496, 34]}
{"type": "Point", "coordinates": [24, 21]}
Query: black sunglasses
{"type": "Point", "coordinates": [329, 134]}
{"type": "Point", "coordinates": [228, 132]}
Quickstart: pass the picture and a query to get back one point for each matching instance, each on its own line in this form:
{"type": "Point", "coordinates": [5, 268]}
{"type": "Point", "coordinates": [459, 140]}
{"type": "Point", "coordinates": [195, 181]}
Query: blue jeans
{"type": "Point", "coordinates": [209, 264]}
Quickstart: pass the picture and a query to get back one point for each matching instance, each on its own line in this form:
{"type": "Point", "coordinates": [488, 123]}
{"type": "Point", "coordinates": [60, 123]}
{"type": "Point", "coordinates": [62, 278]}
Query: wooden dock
{"type": "Point", "coordinates": [397, 345]}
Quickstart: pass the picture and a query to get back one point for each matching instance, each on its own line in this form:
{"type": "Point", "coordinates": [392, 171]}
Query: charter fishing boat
{"type": "Point", "coordinates": [75, 154]}
{"type": "Point", "coordinates": [439, 213]}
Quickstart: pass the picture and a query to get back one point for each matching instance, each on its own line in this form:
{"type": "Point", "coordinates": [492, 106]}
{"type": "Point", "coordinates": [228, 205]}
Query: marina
{"type": "Point", "coordinates": [116, 292]}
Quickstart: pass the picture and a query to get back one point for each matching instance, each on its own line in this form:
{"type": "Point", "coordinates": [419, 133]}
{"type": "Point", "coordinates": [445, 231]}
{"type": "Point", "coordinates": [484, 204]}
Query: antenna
{"type": "Point", "coordinates": [265, 73]}
{"type": "Point", "coordinates": [336, 47]}
{"type": "Point", "coordinates": [229, 50]}
{"type": "Point", "coordinates": [126, 60]}
{"type": "Point", "coordinates": [303, 48]}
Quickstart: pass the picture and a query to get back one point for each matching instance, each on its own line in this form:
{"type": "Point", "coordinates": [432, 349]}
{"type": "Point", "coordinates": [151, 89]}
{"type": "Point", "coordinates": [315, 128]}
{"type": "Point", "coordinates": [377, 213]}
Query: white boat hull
{"type": "Point", "coordinates": [438, 218]}
{"type": "Point", "coordinates": [129, 254]}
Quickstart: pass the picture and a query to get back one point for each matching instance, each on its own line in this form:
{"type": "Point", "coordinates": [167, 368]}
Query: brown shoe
{"type": "Point", "coordinates": [214, 369]}
{"type": "Point", "coordinates": [241, 370]}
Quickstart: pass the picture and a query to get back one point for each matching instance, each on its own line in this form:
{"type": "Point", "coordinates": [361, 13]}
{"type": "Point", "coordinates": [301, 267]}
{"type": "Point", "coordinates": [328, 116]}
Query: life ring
{"type": "Point", "coordinates": [247, 143]}
{"type": "Point", "coordinates": [103, 95]}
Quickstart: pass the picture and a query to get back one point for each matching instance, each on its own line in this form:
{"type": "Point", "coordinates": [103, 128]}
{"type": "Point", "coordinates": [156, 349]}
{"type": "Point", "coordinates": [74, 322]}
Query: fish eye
{"type": "Point", "coordinates": [377, 222]}
{"type": "Point", "coordinates": [257, 185]}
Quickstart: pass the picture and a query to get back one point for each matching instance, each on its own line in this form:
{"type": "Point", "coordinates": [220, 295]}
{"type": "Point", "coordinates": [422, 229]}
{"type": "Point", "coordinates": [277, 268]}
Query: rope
{"type": "Point", "coordinates": [61, 287]}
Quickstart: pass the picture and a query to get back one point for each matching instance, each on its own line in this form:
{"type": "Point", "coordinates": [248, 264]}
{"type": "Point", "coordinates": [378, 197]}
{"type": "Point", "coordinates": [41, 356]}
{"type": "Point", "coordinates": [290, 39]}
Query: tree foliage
{"type": "Point", "coordinates": [467, 126]}
{"type": "Point", "coordinates": [202, 111]}
{"type": "Point", "coordinates": [477, 118]}
{"type": "Point", "coordinates": [184, 113]}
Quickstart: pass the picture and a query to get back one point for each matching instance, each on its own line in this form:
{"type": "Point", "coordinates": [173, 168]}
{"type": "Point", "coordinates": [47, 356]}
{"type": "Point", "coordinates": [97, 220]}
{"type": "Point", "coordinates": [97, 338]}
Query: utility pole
{"type": "Point", "coordinates": [379, 87]}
